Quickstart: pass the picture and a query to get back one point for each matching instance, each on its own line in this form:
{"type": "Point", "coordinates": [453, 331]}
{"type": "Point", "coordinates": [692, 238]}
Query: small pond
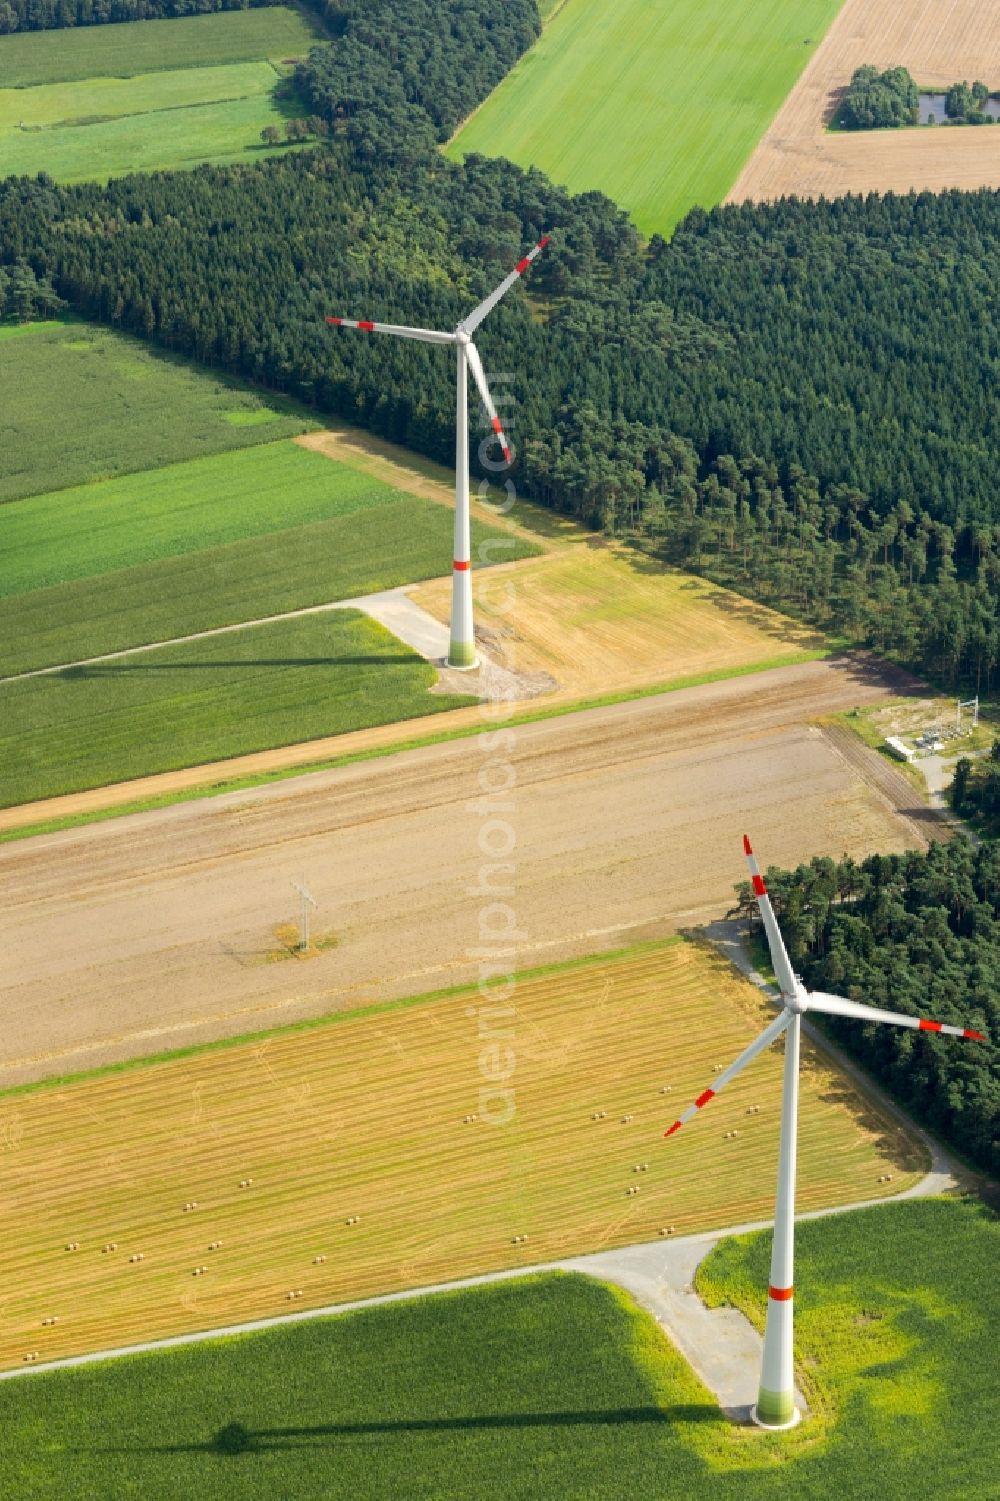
{"type": "Point", "coordinates": [932, 108]}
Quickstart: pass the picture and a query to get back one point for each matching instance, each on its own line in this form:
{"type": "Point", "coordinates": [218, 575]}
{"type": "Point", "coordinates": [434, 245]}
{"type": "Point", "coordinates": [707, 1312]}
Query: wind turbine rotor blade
{"type": "Point", "coordinates": [426, 335]}
{"type": "Point", "coordinates": [747, 1056]}
{"type": "Point", "coordinates": [476, 365]}
{"type": "Point", "coordinates": [783, 972]}
{"type": "Point", "coordinates": [838, 1005]}
{"type": "Point", "coordinates": [472, 322]}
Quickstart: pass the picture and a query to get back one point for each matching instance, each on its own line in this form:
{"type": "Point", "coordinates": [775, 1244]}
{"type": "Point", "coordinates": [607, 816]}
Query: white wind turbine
{"type": "Point", "coordinates": [462, 649]}
{"type": "Point", "coordinates": [775, 1406]}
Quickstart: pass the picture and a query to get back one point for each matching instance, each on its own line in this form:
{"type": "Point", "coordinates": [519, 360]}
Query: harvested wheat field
{"type": "Point", "coordinates": [340, 1161]}
{"type": "Point", "coordinates": [940, 44]}
{"type": "Point", "coordinates": [599, 617]}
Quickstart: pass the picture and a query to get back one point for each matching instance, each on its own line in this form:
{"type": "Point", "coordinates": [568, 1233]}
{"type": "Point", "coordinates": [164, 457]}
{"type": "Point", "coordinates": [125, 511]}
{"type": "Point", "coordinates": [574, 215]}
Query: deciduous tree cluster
{"type": "Point", "coordinates": [975, 791]}
{"type": "Point", "coordinates": [403, 73]}
{"type": "Point", "coordinates": [879, 101]}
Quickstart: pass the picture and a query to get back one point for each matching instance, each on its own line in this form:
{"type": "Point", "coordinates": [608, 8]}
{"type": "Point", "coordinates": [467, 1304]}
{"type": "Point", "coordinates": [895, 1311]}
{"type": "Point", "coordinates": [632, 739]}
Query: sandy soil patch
{"type": "Point", "coordinates": [940, 44]}
{"type": "Point", "coordinates": [601, 618]}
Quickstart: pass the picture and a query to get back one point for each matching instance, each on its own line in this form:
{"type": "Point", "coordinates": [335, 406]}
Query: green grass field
{"type": "Point", "coordinates": [181, 508]}
{"type": "Point", "coordinates": [162, 137]}
{"type": "Point", "coordinates": [122, 407]}
{"type": "Point", "coordinates": [121, 51]}
{"type": "Point", "coordinates": [658, 106]}
{"type": "Point", "coordinates": [304, 531]}
{"type": "Point", "coordinates": [70, 104]}
{"type": "Point", "coordinates": [181, 705]}
{"type": "Point", "coordinates": [85, 106]}
{"type": "Point", "coordinates": [554, 1388]}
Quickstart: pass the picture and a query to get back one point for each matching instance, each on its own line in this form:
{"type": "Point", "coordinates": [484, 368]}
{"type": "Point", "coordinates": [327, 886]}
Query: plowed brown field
{"type": "Point", "coordinates": [367, 1118]}
{"type": "Point", "coordinates": [126, 937]}
{"type": "Point", "coordinates": [940, 41]}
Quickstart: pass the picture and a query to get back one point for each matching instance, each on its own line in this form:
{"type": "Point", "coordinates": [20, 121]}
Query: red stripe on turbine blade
{"type": "Point", "coordinates": [758, 885]}
{"type": "Point", "coordinates": [522, 266]}
{"type": "Point", "coordinates": [497, 425]}
{"type": "Point", "coordinates": [507, 453]}
{"type": "Point", "coordinates": [460, 566]}
{"type": "Point", "coordinates": [335, 321]}
{"type": "Point", "coordinates": [746, 845]}
{"type": "Point", "coordinates": [367, 326]}
{"type": "Point", "coordinates": [780, 1294]}
{"type": "Point", "coordinates": [976, 1036]}
{"type": "Point", "coordinates": [544, 241]}
{"type": "Point", "coordinates": [675, 1127]}
{"type": "Point", "coordinates": [704, 1098]}
{"type": "Point", "coordinates": [929, 1026]}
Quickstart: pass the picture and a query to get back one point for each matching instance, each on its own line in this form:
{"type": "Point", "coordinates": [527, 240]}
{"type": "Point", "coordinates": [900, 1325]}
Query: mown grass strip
{"type": "Point", "coordinates": [162, 140]}
{"type": "Point", "coordinates": [239, 784]}
{"type": "Point", "coordinates": [202, 503]}
{"type": "Point", "coordinates": [228, 695]}
{"type": "Point", "coordinates": [381, 540]}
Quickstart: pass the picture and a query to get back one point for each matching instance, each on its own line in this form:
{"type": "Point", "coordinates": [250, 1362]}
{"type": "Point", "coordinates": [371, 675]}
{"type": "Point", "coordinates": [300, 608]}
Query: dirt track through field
{"type": "Point", "coordinates": [129, 937]}
{"type": "Point", "coordinates": [941, 44]}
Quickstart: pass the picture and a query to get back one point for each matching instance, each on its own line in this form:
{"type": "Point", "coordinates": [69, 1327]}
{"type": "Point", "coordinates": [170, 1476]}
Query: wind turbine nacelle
{"type": "Point", "coordinates": [799, 1002]}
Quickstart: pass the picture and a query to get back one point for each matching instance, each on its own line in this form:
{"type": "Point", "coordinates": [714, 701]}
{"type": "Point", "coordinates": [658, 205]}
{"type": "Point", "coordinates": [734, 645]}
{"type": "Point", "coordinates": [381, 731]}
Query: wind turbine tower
{"type": "Point", "coordinates": [775, 1406]}
{"type": "Point", "coordinates": [462, 648]}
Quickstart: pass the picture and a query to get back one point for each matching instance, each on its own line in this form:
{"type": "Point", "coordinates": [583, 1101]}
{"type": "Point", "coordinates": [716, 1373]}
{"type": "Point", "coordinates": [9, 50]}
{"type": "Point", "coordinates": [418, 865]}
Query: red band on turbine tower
{"type": "Point", "coordinates": [367, 326]}
{"type": "Point", "coordinates": [758, 885]}
{"type": "Point", "coordinates": [461, 567]}
{"type": "Point", "coordinates": [780, 1294]}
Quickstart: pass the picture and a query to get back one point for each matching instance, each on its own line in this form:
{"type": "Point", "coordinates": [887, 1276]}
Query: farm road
{"type": "Point", "coordinates": [618, 823]}
{"type": "Point", "coordinates": [391, 607]}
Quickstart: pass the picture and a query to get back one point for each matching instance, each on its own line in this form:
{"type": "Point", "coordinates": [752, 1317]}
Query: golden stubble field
{"type": "Point", "coordinates": [940, 43]}
{"type": "Point", "coordinates": [366, 1118]}
{"type": "Point", "coordinates": [595, 615]}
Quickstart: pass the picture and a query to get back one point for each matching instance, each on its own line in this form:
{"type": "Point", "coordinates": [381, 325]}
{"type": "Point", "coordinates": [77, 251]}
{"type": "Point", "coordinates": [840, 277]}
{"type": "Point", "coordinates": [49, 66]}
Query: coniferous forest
{"type": "Point", "coordinates": [49, 15]}
{"type": "Point", "coordinates": [918, 934]}
{"type": "Point", "coordinates": [798, 399]}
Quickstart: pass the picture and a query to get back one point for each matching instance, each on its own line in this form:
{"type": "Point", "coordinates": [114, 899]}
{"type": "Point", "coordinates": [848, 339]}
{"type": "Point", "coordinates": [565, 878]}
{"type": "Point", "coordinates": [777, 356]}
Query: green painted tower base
{"type": "Point", "coordinates": [462, 654]}
{"type": "Point", "coordinates": [775, 1410]}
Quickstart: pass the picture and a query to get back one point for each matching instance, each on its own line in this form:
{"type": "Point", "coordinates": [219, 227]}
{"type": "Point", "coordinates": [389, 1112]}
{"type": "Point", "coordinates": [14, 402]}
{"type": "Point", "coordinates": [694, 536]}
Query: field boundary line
{"type": "Point", "coordinates": [356, 603]}
{"type": "Point", "coordinates": [331, 1018]}
{"type": "Point", "coordinates": [214, 779]}
{"type": "Point", "coordinates": [603, 1265]}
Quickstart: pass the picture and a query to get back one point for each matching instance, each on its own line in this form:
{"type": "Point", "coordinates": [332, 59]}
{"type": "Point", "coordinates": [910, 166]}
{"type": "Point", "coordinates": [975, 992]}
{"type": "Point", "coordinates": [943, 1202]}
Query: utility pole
{"type": "Point", "coordinates": [968, 703]}
{"type": "Point", "coordinates": [306, 900]}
